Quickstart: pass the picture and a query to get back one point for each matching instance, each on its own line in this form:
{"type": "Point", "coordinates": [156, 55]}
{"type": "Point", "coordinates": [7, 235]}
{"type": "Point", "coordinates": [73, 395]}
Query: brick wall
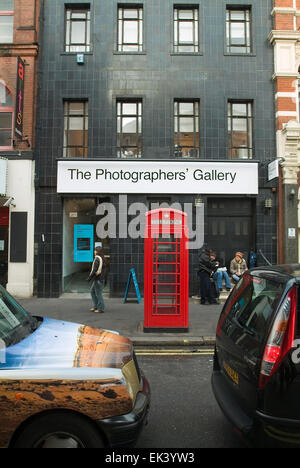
{"type": "Point", "coordinates": [26, 33]}
{"type": "Point", "coordinates": [287, 22]}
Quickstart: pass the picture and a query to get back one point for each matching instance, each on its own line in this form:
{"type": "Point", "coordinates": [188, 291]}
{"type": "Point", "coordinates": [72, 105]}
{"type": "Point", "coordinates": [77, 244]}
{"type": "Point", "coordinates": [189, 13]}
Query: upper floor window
{"type": "Point", "coordinates": [240, 130]}
{"type": "Point", "coordinates": [186, 131]}
{"type": "Point", "coordinates": [6, 21]}
{"type": "Point", "coordinates": [129, 128]}
{"type": "Point", "coordinates": [6, 118]}
{"type": "Point", "coordinates": [186, 29]}
{"type": "Point", "coordinates": [130, 29]}
{"type": "Point", "coordinates": [238, 31]}
{"type": "Point", "coordinates": [78, 22]}
{"type": "Point", "coordinates": [75, 129]}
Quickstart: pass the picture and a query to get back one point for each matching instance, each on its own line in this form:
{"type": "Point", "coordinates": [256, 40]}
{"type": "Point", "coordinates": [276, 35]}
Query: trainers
{"type": "Point", "coordinates": [99, 311]}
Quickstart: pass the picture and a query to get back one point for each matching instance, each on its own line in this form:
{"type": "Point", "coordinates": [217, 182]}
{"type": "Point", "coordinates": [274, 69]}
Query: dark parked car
{"type": "Point", "coordinates": [66, 385]}
{"type": "Point", "coordinates": [256, 374]}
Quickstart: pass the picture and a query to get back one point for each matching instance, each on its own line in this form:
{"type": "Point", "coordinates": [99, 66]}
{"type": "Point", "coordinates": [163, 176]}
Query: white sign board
{"type": "Point", "coordinates": [292, 233]}
{"type": "Point", "coordinates": [163, 177]}
{"type": "Point", "coordinates": [3, 176]}
{"type": "Point", "coordinates": [273, 170]}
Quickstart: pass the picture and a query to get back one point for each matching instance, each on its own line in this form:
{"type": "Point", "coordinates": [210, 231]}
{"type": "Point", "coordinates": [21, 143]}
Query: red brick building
{"type": "Point", "coordinates": [285, 38]}
{"type": "Point", "coordinates": [19, 35]}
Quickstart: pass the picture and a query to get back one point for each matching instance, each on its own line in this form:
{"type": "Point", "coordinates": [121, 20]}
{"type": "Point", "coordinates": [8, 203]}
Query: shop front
{"type": "Point", "coordinates": [17, 201]}
{"type": "Point", "coordinates": [105, 203]}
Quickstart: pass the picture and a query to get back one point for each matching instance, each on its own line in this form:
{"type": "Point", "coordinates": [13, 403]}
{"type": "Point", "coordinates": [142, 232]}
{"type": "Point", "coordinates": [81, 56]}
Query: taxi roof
{"type": "Point", "coordinates": [281, 273]}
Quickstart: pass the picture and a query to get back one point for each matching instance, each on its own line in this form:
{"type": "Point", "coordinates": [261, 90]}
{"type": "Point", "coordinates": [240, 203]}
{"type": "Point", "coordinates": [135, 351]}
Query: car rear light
{"type": "Point", "coordinates": [281, 337]}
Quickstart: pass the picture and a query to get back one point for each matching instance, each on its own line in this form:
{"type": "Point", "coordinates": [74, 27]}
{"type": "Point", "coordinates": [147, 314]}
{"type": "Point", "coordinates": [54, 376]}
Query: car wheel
{"type": "Point", "coordinates": [60, 430]}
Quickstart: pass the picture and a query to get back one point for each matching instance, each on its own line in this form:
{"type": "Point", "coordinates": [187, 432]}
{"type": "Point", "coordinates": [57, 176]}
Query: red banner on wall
{"type": "Point", "coordinates": [20, 98]}
{"type": "Point", "coordinates": [4, 216]}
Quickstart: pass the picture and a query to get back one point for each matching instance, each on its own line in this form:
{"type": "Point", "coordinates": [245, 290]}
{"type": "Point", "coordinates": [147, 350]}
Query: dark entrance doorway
{"type": "Point", "coordinates": [4, 223]}
{"type": "Point", "coordinates": [231, 227]}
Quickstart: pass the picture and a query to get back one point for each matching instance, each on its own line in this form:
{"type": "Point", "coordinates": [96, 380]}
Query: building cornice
{"type": "Point", "coordinates": [284, 10]}
{"type": "Point", "coordinates": [15, 50]}
{"type": "Point", "coordinates": [277, 35]}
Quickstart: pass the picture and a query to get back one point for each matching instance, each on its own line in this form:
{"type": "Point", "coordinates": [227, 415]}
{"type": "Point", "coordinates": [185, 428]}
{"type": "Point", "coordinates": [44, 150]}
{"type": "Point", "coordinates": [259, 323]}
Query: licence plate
{"type": "Point", "coordinates": [231, 373]}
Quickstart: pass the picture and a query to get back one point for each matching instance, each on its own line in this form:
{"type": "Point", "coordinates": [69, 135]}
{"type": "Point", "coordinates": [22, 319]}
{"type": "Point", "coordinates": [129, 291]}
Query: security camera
{"type": "Point", "coordinates": [9, 202]}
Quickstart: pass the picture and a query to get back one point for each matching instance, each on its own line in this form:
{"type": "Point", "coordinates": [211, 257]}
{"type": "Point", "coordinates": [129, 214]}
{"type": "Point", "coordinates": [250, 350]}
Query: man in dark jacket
{"type": "Point", "coordinates": [207, 267]}
{"type": "Point", "coordinates": [97, 275]}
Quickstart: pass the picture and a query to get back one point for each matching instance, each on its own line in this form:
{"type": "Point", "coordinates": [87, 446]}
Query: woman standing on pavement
{"type": "Point", "coordinates": [97, 275]}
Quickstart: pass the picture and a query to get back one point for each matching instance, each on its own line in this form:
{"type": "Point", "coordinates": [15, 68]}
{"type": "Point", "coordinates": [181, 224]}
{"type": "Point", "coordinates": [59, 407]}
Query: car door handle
{"type": "Point", "coordinates": [252, 362]}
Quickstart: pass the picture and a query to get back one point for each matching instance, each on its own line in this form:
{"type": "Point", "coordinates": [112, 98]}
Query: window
{"type": "Point", "coordinates": [186, 131]}
{"type": "Point", "coordinates": [75, 129]}
{"type": "Point", "coordinates": [129, 129]}
{"type": "Point", "coordinates": [186, 30]}
{"type": "Point", "coordinates": [240, 130]}
{"type": "Point", "coordinates": [6, 21]}
{"type": "Point", "coordinates": [252, 306]}
{"type": "Point", "coordinates": [78, 22]}
{"type": "Point", "coordinates": [6, 116]}
{"type": "Point", "coordinates": [130, 29]}
{"type": "Point", "coordinates": [238, 31]}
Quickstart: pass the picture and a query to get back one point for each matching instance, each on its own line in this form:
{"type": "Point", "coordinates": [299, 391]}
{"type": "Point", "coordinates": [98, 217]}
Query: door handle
{"type": "Point", "coordinates": [252, 362]}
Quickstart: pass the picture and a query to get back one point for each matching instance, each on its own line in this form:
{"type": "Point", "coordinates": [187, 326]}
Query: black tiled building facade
{"type": "Point", "coordinates": [209, 54]}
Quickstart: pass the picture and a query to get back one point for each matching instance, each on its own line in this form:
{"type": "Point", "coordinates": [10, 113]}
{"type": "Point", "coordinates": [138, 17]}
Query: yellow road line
{"type": "Point", "coordinates": [164, 350]}
{"type": "Point", "coordinates": [174, 354]}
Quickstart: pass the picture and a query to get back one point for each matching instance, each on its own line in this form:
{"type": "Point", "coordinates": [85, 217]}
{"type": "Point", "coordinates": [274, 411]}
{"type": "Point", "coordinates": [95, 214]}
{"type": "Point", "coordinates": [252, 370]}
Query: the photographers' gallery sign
{"type": "Point", "coordinates": [183, 177]}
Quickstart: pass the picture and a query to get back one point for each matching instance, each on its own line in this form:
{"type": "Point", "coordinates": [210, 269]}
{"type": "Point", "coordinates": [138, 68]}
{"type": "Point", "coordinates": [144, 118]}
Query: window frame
{"type": "Point", "coordinates": [176, 45]}
{"type": "Point", "coordinates": [139, 127]}
{"type": "Point", "coordinates": [85, 130]}
{"type": "Point", "coordinates": [8, 110]}
{"type": "Point", "coordinates": [250, 134]}
{"type": "Point", "coordinates": [87, 46]}
{"type": "Point", "coordinates": [177, 152]}
{"type": "Point", "coordinates": [228, 22]}
{"type": "Point", "coordinates": [140, 20]}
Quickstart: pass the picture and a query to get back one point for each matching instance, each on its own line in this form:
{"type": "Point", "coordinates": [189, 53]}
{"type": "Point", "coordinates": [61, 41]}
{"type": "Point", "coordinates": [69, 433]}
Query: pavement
{"type": "Point", "coordinates": [128, 319]}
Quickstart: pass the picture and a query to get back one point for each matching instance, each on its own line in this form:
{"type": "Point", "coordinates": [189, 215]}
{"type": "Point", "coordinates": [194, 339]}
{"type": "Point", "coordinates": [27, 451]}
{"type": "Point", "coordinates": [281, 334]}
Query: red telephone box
{"type": "Point", "coordinates": [166, 271]}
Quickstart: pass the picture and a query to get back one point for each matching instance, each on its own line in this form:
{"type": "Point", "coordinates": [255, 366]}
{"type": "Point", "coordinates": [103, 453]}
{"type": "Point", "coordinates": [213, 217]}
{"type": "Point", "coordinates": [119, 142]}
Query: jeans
{"type": "Point", "coordinates": [220, 275]}
{"type": "Point", "coordinates": [96, 293]}
{"type": "Point", "coordinates": [236, 278]}
{"type": "Point", "coordinates": [206, 291]}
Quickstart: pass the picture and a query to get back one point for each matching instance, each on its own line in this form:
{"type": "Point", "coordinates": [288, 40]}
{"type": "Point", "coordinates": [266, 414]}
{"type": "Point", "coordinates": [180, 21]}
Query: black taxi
{"type": "Point", "coordinates": [256, 372]}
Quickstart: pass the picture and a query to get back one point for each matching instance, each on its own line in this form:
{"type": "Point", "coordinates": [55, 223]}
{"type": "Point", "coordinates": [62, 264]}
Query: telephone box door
{"type": "Point", "coordinates": [166, 271]}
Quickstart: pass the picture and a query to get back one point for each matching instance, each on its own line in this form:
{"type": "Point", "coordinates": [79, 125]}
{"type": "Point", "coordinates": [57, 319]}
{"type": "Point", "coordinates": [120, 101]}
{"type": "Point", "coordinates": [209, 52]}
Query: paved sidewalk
{"type": "Point", "coordinates": [128, 319]}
